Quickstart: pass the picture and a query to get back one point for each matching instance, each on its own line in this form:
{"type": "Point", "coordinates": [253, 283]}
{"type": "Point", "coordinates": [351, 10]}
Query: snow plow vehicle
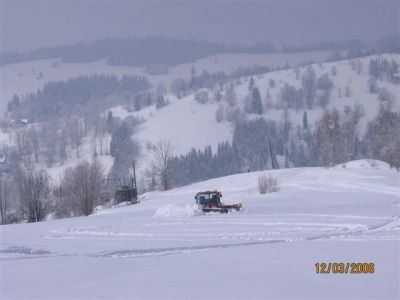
{"type": "Point", "coordinates": [210, 201]}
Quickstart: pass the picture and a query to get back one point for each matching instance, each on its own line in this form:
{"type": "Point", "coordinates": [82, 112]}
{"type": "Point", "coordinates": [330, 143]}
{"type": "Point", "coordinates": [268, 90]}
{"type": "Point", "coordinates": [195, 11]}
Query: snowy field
{"type": "Point", "coordinates": [163, 248]}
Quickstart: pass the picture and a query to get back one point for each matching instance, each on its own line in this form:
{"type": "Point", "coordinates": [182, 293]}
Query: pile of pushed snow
{"type": "Point", "coordinates": [107, 207]}
{"type": "Point", "coordinates": [364, 164]}
{"type": "Point", "coordinates": [170, 210]}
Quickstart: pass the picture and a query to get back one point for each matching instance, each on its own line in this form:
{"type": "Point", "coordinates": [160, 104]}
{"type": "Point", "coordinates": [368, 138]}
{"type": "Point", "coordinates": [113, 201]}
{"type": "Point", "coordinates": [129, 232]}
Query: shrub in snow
{"type": "Point", "coordinates": [267, 184]}
{"type": "Point", "coordinates": [372, 163]}
{"type": "Point", "coordinates": [271, 83]}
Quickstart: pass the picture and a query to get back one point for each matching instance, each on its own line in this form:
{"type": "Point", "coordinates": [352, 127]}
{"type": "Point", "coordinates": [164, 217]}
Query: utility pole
{"type": "Point", "coordinates": [134, 173]}
{"type": "Point", "coordinates": [270, 153]}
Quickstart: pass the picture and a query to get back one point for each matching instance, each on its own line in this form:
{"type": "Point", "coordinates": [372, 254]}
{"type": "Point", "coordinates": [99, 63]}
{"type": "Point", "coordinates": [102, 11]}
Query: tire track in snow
{"type": "Point", "coordinates": [395, 220]}
{"type": "Point", "coordinates": [18, 252]}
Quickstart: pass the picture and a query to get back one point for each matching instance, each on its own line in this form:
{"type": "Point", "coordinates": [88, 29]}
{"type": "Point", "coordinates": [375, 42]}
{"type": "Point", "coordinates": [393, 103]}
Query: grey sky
{"type": "Point", "coordinates": [27, 25]}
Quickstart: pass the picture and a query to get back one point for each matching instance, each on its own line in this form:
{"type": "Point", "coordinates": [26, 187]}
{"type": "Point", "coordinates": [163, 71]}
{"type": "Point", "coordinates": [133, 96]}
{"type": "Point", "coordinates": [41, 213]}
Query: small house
{"type": "Point", "coordinates": [4, 166]}
{"type": "Point", "coordinates": [19, 123]}
{"type": "Point", "coordinates": [126, 194]}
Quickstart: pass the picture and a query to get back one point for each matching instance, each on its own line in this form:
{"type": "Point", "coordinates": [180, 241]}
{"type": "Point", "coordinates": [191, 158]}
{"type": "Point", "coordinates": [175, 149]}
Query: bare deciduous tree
{"type": "Point", "coordinates": [34, 193]}
{"type": "Point", "coordinates": [76, 133]}
{"type": "Point", "coordinates": [327, 137]}
{"type": "Point", "coordinates": [23, 143]}
{"type": "Point", "coordinates": [4, 200]}
{"type": "Point", "coordinates": [35, 141]}
{"type": "Point", "coordinates": [162, 153]}
{"type": "Point", "coordinates": [84, 182]}
{"type": "Point", "coordinates": [63, 144]}
{"type": "Point", "coordinates": [49, 140]}
{"type": "Point", "coordinates": [230, 95]}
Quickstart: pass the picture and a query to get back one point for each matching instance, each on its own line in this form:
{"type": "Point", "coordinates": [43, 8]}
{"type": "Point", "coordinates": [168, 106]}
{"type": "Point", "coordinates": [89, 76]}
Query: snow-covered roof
{"type": "Point", "coordinates": [3, 158]}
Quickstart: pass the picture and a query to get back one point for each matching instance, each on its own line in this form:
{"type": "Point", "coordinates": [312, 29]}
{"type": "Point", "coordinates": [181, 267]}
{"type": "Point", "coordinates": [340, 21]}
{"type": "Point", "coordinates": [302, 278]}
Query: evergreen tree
{"type": "Point", "coordinates": [251, 84]}
{"type": "Point", "coordinates": [308, 81]}
{"type": "Point", "coordinates": [257, 103]}
{"type": "Point", "coordinates": [305, 120]}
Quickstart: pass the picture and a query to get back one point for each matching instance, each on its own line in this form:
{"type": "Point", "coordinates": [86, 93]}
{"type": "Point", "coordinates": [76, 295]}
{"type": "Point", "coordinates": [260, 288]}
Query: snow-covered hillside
{"type": "Point", "coordinates": [184, 122]}
{"type": "Point", "coordinates": [187, 124]}
{"type": "Point", "coordinates": [28, 77]}
{"type": "Point", "coordinates": [162, 248]}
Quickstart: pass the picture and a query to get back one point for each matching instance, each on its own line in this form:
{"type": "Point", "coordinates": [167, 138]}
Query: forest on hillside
{"type": "Point", "coordinates": [159, 53]}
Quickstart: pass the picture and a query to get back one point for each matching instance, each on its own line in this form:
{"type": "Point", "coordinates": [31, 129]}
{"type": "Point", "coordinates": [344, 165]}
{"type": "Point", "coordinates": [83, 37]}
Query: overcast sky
{"type": "Point", "coordinates": [27, 25]}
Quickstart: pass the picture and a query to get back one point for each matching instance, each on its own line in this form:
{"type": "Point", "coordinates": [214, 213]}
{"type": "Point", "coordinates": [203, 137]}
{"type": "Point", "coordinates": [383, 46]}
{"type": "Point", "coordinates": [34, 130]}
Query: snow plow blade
{"type": "Point", "coordinates": [222, 209]}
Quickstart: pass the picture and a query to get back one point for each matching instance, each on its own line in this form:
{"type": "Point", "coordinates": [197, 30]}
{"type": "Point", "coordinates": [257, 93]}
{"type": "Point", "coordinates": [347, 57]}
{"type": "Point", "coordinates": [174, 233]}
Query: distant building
{"type": "Point", "coordinates": [19, 123]}
{"type": "Point", "coordinates": [3, 158]}
{"type": "Point", "coordinates": [4, 166]}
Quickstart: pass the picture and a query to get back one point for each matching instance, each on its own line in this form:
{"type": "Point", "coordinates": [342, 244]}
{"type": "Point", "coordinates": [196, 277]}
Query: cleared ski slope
{"type": "Point", "coordinates": [163, 248]}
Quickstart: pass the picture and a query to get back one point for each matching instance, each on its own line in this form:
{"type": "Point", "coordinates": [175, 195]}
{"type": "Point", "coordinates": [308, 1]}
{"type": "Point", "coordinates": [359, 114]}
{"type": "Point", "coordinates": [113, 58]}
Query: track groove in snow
{"type": "Point", "coordinates": [20, 252]}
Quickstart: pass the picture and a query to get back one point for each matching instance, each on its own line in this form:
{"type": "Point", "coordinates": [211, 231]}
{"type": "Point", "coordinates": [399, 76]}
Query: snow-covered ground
{"type": "Point", "coordinates": [163, 248]}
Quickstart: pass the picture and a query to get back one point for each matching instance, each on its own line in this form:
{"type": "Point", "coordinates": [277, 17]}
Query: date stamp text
{"type": "Point", "coordinates": [344, 268]}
